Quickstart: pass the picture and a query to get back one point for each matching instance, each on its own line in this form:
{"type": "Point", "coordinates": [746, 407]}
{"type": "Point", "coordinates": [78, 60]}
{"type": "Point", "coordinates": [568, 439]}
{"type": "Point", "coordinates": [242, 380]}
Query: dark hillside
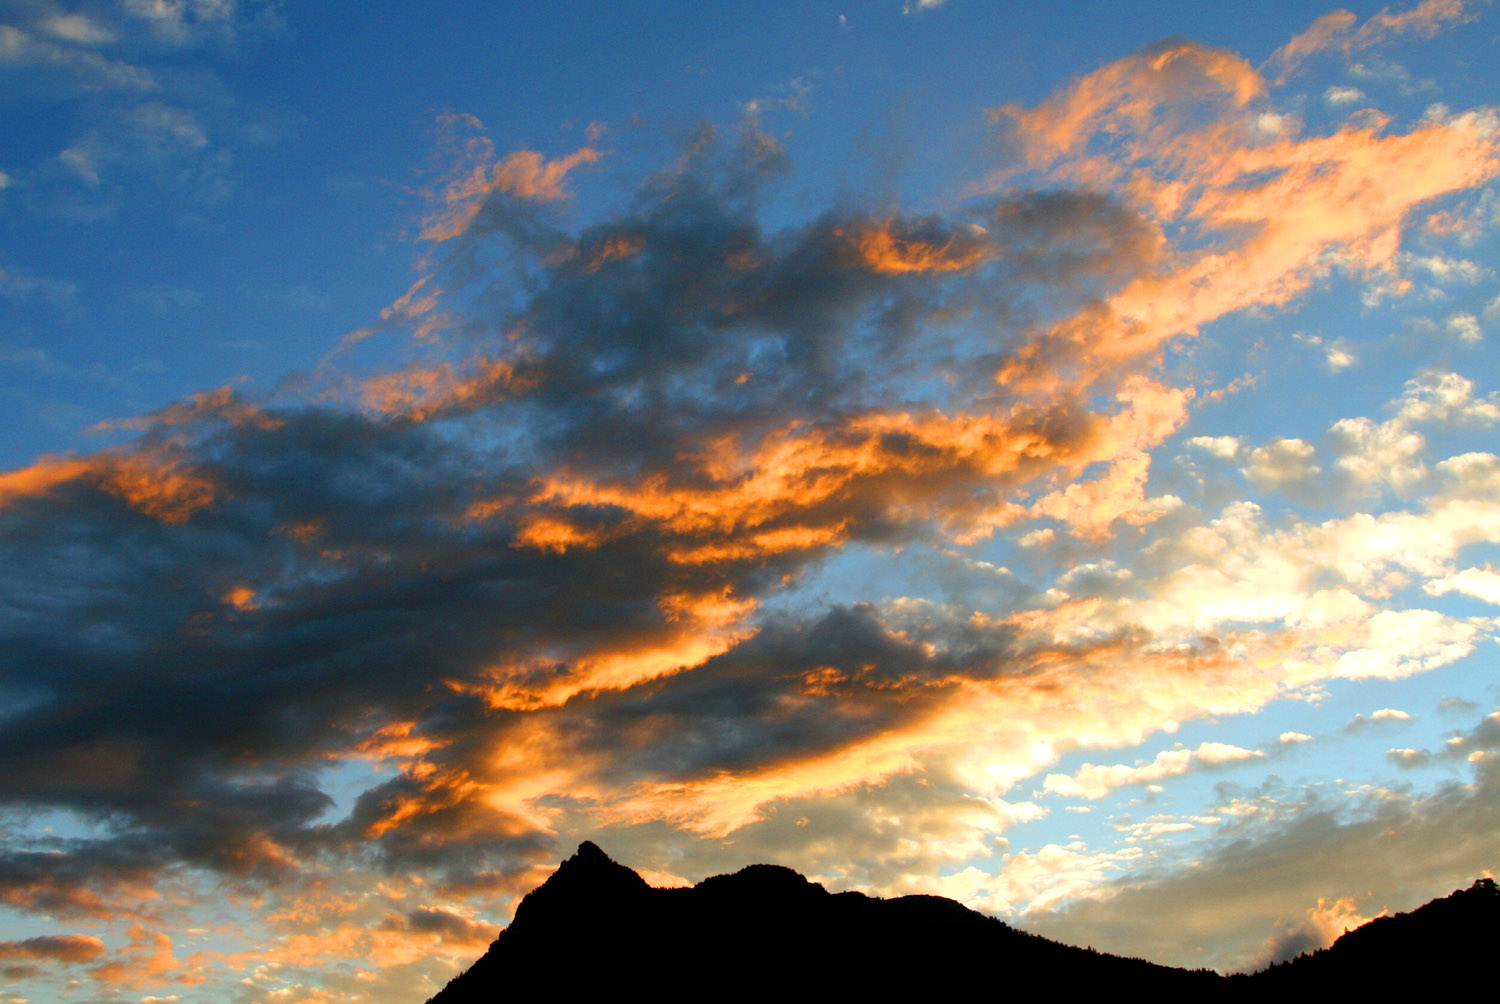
{"type": "Point", "coordinates": [596, 929]}
{"type": "Point", "coordinates": [765, 931]}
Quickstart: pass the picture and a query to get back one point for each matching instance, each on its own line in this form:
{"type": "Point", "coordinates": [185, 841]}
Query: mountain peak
{"type": "Point", "coordinates": [588, 854]}
{"type": "Point", "coordinates": [589, 882]}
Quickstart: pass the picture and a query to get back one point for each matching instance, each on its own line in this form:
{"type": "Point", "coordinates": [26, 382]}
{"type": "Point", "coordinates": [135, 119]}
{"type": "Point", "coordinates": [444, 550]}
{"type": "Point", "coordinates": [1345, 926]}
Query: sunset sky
{"type": "Point", "coordinates": [1042, 455]}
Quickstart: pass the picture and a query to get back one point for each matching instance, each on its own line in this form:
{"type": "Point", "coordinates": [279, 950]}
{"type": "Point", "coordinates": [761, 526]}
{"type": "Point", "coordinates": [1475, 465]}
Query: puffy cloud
{"type": "Point", "coordinates": [1324, 924]}
{"type": "Point", "coordinates": [1482, 584]}
{"type": "Point", "coordinates": [1336, 95]}
{"type": "Point", "coordinates": [1284, 464]}
{"type": "Point", "coordinates": [1466, 328]}
{"type": "Point", "coordinates": [1384, 715]}
{"type": "Point", "coordinates": [1094, 781]}
{"type": "Point", "coordinates": [1223, 447]}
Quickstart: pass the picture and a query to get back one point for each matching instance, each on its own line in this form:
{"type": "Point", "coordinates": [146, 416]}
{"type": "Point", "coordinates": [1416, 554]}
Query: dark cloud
{"type": "Point", "coordinates": [450, 926]}
{"type": "Point", "coordinates": [692, 411]}
{"type": "Point", "coordinates": [54, 947]}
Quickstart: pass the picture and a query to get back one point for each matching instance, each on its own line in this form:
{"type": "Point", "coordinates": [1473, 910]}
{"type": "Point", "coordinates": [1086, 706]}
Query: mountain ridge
{"type": "Point", "coordinates": [595, 926]}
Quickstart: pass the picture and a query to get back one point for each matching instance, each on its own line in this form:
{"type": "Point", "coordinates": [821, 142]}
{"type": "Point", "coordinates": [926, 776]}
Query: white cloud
{"type": "Point", "coordinates": [1492, 310]}
{"type": "Point", "coordinates": [1466, 328]}
{"type": "Point", "coordinates": [1446, 399]}
{"type": "Point", "coordinates": [83, 69]}
{"type": "Point", "coordinates": [78, 28]}
{"type": "Point", "coordinates": [1448, 271]}
{"type": "Point", "coordinates": [1285, 464]}
{"type": "Point", "coordinates": [1340, 356]}
{"type": "Point", "coordinates": [1383, 716]}
{"type": "Point", "coordinates": [1337, 95]}
{"type": "Point", "coordinates": [1482, 584]}
{"type": "Point", "coordinates": [1095, 781]}
{"type": "Point", "coordinates": [1223, 447]}
{"type": "Point", "coordinates": [1378, 456]}
{"type": "Point", "coordinates": [182, 21]}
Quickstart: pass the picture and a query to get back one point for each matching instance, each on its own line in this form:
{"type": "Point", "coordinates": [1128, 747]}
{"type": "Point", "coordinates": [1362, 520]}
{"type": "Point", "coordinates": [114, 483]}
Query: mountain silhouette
{"type": "Point", "coordinates": [597, 929]}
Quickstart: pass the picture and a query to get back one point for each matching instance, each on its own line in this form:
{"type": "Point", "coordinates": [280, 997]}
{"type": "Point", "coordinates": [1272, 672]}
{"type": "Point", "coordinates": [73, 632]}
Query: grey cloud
{"type": "Point", "coordinates": [56, 947]}
{"type": "Point", "coordinates": [1478, 742]}
{"type": "Point", "coordinates": [449, 925]}
{"type": "Point", "coordinates": [1401, 850]}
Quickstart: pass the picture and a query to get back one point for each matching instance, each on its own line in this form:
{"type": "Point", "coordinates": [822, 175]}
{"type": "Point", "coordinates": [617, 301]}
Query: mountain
{"type": "Point", "coordinates": [595, 928]}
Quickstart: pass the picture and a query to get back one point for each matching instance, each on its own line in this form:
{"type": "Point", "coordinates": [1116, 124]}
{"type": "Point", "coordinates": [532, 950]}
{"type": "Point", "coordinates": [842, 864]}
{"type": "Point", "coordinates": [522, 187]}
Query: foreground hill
{"type": "Point", "coordinates": [596, 928]}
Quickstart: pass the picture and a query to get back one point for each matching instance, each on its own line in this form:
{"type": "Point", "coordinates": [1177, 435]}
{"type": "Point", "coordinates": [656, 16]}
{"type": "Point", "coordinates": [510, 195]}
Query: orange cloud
{"type": "Point", "coordinates": [154, 481]}
{"type": "Point", "coordinates": [423, 390]}
{"type": "Point", "coordinates": [41, 477]}
{"type": "Point", "coordinates": [613, 248]}
{"type": "Point", "coordinates": [523, 174]}
{"type": "Point", "coordinates": [1131, 95]}
{"type": "Point", "coordinates": [146, 962]}
{"type": "Point", "coordinates": [1335, 31]}
{"type": "Point", "coordinates": [1284, 210]}
{"type": "Point", "coordinates": [891, 249]}
{"type": "Point", "coordinates": [698, 626]}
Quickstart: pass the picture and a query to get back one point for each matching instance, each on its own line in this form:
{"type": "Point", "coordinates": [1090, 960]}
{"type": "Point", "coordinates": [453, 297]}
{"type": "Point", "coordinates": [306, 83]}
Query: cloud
{"type": "Point", "coordinates": [1223, 447]}
{"type": "Point", "coordinates": [1284, 464]}
{"type": "Point", "coordinates": [1482, 584]}
{"type": "Point", "coordinates": [1337, 95]}
{"type": "Point", "coordinates": [1182, 104]}
{"type": "Point", "coordinates": [476, 175]}
{"type": "Point", "coordinates": [1323, 925]}
{"type": "Point", "coordinates": [1466, 328]}
{"type": "Point", "coordinates": [131, 80]}
{"type": "Point", "coordinates": [188, 22]}
{"type": "Point", "coordinates": [1336, 32]}
{"type": "Point", "coordinates": [1094, 781]}
{"type": "Point", "coordinates": [64, 70]}
{"type": "Point", "coordinates": [1372, 457]}
{"type": "Point", "coordinates": [57, 947]}
{"type": "Point", "coordinates": [1475, 746]}
{"type": "Point", "coordinates": [1383, 716]}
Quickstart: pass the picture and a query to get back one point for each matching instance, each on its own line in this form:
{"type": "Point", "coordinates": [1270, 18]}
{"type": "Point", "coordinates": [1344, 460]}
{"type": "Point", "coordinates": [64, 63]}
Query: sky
{"type": "Point", "coordinates": [1041, 455]}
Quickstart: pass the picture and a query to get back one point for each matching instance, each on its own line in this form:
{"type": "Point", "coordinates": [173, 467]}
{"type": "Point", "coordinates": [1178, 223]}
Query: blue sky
{"type": "Point", "coordinates": [1044, 457]}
